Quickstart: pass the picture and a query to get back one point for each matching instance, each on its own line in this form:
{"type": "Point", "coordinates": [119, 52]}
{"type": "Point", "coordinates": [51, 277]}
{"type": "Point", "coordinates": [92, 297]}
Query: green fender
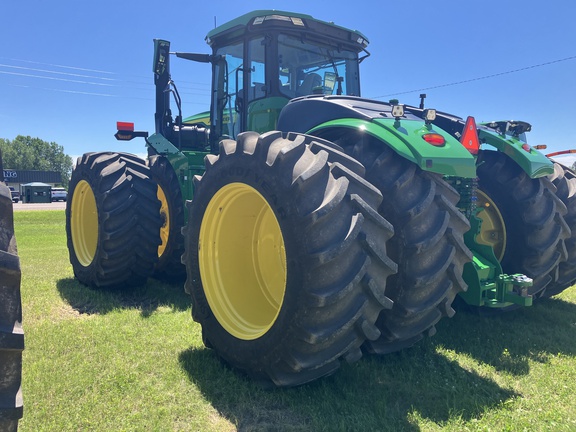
{"type": "Point", "coordinates": [534, 163]}
{"type": "Point", "coordinates": [185, 163]}
{"type": "Point", "coordinates": [405, 138]}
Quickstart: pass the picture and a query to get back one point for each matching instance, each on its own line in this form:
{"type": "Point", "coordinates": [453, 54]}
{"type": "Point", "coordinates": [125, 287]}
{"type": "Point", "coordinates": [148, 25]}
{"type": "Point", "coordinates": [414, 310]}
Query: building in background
{"type": "Point", "coordinates": [17, 178]}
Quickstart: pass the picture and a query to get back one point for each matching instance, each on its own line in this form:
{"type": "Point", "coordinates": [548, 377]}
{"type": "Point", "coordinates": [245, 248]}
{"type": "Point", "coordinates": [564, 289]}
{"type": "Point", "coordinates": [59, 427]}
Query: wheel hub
{"type": "Point", "coordinates": [84, 223]}
{"type": "Point", "coordinates": [493, 230]}
{"type": "Point", "coordinates": [242, 261]}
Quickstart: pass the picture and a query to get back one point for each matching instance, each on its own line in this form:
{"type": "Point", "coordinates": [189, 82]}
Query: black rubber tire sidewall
{"type": "Point", "coordinates": [169, 266]}
{"type": "Point", "coordinates": [11, 334]}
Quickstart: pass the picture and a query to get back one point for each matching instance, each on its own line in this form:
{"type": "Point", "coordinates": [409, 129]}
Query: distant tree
{"type": "Point", "coordinates": [26, 153]}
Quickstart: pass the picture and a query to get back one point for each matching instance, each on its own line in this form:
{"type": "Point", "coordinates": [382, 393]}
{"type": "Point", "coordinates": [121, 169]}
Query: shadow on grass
{"type": "Point", "coordinates": [390, 392]}
{"type": "Point", "coordinates": [147, 298]}
{"type": "Point", "coordinates": [510, 340]}
{"type": "Point", "coordinates": [377, 393]}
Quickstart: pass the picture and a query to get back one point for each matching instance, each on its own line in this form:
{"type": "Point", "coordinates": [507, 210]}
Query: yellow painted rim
{"type": "Point", "coordinates": [165, 214]}
{"type": "Point", "coordinates": [242, 261]}
{"type": "Point", "coordinates": [493, 230]}
{"type": "Point", "coordinates": [84, 223]}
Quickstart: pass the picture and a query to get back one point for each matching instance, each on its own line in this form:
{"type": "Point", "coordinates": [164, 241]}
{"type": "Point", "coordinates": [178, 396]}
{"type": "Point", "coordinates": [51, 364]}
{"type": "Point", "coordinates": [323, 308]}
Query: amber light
{"type": "Point", "coordinates": [434, 139]}
{"type": "Point", "coordinates": [561, 153]}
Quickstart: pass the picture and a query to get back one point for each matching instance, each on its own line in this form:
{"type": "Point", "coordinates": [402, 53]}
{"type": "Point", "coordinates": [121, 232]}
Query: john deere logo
{"type": "Point", "coordinates": [10, 174]}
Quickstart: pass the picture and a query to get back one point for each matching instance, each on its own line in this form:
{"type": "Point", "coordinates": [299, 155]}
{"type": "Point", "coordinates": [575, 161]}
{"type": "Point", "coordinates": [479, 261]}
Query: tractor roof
{"type": "Point", "coordinates": [255, 20]}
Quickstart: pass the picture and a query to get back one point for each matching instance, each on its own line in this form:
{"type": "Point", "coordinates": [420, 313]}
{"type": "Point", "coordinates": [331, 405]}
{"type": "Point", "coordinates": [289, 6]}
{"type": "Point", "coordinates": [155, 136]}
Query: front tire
{"type": "Point", "coordinates": [112, 220]}
{"type": "Point", "coordinates": [286, 257]}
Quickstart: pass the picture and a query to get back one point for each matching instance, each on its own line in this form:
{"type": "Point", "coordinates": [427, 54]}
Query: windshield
{"type": "Point", "coordinates": [307, 67]}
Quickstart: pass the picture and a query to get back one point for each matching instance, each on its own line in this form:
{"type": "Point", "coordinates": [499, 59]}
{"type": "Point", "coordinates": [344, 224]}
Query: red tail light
{"type": "Point", "coordinates": [125, 126]}
{"type": "Point", "coordinates": [526, 147]}
{"type": "Point", "coordinates": [434, 139]}
{"type": "Point", "coordinates": [470, 136]}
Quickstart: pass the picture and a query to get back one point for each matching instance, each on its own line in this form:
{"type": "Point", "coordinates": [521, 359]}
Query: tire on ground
{"type": "Point", "coordinates": [11, 334]}
{"type": "Point", "coordinates": [534, 227]}
{"type": "Point", "coordinates": [565, 181]}
{"type": "Point", "coordinates": [112, 220]}
{"type": "Point", "coordinates": [428, 242]}
{"type": "Point", "coordinates": [302, 264]}
{"type": "Point", "coordinates": [169, 266]}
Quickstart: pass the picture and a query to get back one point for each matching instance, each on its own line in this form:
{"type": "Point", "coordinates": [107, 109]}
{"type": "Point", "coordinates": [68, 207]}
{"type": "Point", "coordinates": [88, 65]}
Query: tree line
{"type": "Point", "coordinates": [27, 153]}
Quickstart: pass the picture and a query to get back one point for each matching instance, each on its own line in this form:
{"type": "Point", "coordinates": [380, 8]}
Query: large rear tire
{"type": "Point", "coordinates": [11, 334]}
{"type": "Point", "coordinates": [169, 266]}
{"type": "Point", "coordinates": [428, 243]}
{"type": "Point", "coordinates": [112, 220]}
{"type": "Point", "coordinates": [286, 257]}
{"type": "Point", "coordinates": [529, 230]}
{"type": "Point", "coordinates": [565, 181]}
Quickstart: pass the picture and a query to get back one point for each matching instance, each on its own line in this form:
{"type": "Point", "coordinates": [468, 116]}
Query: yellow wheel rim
{"type": "Point", "coordinates": [165, 214]}
{"type": "Point", "coordinates": [242, 261]}
{"type": "Point", "coordinates": [84, 223]}
{"type": "Point", "coordinates": [493, 230]}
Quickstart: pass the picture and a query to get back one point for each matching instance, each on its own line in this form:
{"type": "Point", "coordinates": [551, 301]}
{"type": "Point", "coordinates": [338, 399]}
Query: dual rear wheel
{"type": "Point", "coordinates": [112, 220]}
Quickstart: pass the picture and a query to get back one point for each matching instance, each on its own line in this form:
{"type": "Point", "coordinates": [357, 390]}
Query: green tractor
{"type": "Point", "coordinates": [314, 225]}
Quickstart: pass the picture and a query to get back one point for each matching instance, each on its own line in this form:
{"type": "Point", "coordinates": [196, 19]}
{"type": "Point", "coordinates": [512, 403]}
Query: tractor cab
{"type": "Point", "coordinates": [260, 61]}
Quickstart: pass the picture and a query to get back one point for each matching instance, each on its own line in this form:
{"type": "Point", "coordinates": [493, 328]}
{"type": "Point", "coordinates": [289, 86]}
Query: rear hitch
{"type": "Point", "coordinates": [514, 289]}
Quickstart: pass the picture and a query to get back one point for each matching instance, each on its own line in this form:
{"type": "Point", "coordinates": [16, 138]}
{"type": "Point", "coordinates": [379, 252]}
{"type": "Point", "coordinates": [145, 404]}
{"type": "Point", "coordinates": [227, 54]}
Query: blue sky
{"type": "Point", "coordinates": [70, 69]}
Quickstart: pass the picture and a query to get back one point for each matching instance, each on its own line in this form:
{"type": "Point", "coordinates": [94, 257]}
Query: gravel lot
{"type": "Point", "coordinates": [58, 205]}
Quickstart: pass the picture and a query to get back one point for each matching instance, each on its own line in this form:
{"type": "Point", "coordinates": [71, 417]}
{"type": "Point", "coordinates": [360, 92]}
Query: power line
{"type": "Point", "coordinates": [59, 66]}
{"type": "Point", "coordinates": [92, 70]}
{"type": "Point", "coordinates": [475, 79]}
{"type": "Point", "coordinates": [57, 79]}
{"type": "Point", "coordinates": [66, 91]}
{"type": "Point", "coordinates": [55, 72]}
{"type": "Point", "coordinates": [119, 83]}
{"type": "Point", "coordinates": [99, 94]}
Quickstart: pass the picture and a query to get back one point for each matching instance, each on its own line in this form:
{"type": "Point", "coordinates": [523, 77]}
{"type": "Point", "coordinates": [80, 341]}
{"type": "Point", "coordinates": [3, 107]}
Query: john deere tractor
{"type": "Point", "coordinates": [312, 224]}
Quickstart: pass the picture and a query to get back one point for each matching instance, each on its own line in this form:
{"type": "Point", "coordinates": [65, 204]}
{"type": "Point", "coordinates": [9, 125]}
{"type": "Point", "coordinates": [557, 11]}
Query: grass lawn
{"type": "Point", "coordinates": [103, 361]}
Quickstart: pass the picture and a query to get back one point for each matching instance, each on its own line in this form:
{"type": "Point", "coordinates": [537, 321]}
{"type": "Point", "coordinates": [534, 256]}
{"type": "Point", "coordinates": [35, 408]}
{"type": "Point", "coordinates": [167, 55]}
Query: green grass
{"type": "Point", "coordinates": [102, 361]}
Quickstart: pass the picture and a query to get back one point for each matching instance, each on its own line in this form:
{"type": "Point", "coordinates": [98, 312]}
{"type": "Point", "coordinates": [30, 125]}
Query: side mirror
{"type": "Point", "coordinates": [161, 53]}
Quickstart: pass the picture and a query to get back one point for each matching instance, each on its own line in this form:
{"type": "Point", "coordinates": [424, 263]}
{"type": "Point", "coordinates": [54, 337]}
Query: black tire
{"type": "Point", "coordinates": [112, 220]}
{"type": "Point", "coordinates": [565, 181]}
{"type": "Point", "coordinates": [170, 251]}
{"type": "Point", "coordinates": [534, 227]}
{"type": "Point", "coordinates": [428, 243]}
{"type": "Point", "coordinates": [315, 222]}
{"type": "Point", "coordinates": [11, 334]}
